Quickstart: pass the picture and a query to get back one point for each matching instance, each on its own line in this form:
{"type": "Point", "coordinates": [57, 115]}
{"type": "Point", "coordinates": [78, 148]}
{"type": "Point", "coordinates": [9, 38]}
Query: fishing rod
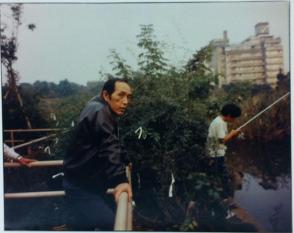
{"type": "Point", "coordinates": [264, 110]}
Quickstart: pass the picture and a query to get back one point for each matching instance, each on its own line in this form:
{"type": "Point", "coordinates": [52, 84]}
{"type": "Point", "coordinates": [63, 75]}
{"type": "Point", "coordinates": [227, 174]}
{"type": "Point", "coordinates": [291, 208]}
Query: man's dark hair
{"type": "Point", "coordinates": [109, 85]}
{"type": "Point", "coordinates": [231, 110]}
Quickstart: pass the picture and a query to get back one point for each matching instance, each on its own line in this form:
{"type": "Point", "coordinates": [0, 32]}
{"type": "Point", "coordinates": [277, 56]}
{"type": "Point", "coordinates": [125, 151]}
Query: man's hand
{"type": "Point", "coordinates": [25, 161]}
{"type": "Point", "coordinates": [123, 187]}
{"type": "Point", "coordinates": [234, 133]}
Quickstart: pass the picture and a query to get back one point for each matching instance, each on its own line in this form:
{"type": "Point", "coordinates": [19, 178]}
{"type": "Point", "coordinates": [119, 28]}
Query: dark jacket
{"type": "Point", "coordinates": [96, 159]}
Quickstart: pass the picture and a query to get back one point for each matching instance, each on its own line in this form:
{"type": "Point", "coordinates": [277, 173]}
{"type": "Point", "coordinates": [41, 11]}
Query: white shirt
{"type": "Point", "coordinates": [218, 129]}
{"type": "Point", "coordinates": [9, 152]}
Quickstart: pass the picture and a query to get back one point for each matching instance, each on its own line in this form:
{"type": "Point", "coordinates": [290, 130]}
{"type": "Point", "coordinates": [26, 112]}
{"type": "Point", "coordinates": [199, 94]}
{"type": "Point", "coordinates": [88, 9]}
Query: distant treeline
{"type": "Point", "coordinates": [63, 89]}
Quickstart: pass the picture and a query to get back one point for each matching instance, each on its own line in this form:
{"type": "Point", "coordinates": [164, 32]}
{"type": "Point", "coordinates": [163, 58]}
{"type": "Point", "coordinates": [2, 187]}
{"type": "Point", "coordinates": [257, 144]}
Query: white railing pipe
{"type": "Point", "coordinates": [34, 130]}
{"type": "Point", "coordinates": [124, 212]}
{"type": "Point", "coordinates": [121, 213]}
{"type": "Point", "coordinates": [130, 217]}
{"type": "Point", "coordinates": [27, 195]}
{"type": "Point", "coordinates": [34, 141]}
{"type": "Point", "coordinates": [48, 163]}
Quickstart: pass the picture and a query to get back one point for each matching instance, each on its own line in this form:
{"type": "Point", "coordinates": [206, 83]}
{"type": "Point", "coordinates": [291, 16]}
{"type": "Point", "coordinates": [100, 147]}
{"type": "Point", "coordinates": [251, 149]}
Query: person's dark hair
{"type": "Point", "coordinates": [231, 110]}
{"type": "Point", "coordinates": [109, 85]}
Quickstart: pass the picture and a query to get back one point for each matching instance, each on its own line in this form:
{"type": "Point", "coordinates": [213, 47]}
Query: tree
{"type": "Point", "coordinates": [198, 63]}
{"type": "Point", "coordinates": [201, 78]}
{"type": "Point", "coordinates": [151, 60]}
{"type": "Point", "coordinates": [66, 88]}
{"type": "Point", "coordinates": [9, 47]}
{"type": "Point", "coordinates": [8, 53]}
{"type": "Point", "coordinates": [119, 65]}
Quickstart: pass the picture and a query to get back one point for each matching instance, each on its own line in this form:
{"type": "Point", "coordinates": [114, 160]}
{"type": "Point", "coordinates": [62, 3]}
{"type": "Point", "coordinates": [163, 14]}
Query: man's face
{"type": "Point", "coordinates": [120, 98]}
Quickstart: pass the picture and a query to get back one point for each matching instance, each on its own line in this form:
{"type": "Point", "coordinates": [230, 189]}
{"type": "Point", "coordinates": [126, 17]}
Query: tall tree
{"type": "Point", "coordinates": [201, 77]}
{"type": "Point", "coordinates": [151, 60]}
{"type": "Point", "coordinates": [9, 46]}
{"type": "Point", "coordinates": [122, 69]}
{"type": "Point", "coordinates": [198, 62]}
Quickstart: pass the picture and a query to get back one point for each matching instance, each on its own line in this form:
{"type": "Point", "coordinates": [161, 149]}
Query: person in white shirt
{"type": "Point", "coordinates": [217, 138]}
{"type": "Point", "coordinates": [11, 154]}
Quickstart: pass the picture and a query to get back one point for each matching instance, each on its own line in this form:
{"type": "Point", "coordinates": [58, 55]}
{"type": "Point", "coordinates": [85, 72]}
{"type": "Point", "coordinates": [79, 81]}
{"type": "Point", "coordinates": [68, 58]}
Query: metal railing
{"type": "Point", "coordinates": [12, 132]}
{"type": "Point", "coordinates": [48, 163]}
{"type": "Point", "coordinates": [123, 217]}
{"type": "Point", "coordinates": [124, 211]}
{"type": "Point", "coordinates": [28, 195]}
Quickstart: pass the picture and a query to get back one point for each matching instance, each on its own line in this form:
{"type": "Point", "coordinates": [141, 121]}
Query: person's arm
{"type": "Point", "coordinates": [10, 153]}
{"type": "Point", "coordinates": [25, 161]}
{"type": "Point", "coordinates": [112, 155]}
{"type": "Point", "coordinates": [220, 133]}
{"type": "Point", "coordinates": [233, 134]}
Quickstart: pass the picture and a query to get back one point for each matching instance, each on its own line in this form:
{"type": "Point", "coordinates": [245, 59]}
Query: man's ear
{"type": "Point", "coordinates": [105, 96]}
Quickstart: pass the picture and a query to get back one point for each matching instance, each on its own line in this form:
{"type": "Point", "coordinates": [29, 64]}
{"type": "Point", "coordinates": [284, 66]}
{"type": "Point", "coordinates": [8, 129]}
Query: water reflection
{"type": "Point", "coordinates": [264, 188]}
{"type": "Point", "coordinates": [270, 207]}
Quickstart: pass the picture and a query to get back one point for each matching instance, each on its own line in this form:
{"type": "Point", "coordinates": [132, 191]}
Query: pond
{"type": "Point", "coordinates": [265, 186]}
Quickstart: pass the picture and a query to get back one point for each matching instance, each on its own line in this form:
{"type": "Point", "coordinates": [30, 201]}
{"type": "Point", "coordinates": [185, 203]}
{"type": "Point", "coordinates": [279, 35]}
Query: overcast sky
{"type": "Point", "coordinates": [73, 41]}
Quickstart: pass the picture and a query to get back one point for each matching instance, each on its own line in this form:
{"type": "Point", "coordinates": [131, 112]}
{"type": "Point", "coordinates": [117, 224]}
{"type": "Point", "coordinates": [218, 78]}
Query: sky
{"type": "Point", "coordinates": [73, 41]}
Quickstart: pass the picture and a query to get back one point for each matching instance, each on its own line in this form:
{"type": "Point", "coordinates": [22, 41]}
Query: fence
{"type": "Point", "coordinates": [123, 218]}
{"type": "Point", "coordinates": [13, 141]}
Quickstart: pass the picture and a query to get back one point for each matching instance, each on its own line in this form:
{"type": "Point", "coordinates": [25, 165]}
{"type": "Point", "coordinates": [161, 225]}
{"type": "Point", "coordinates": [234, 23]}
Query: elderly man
{"type": "Point", "coordinates": [96, 159]}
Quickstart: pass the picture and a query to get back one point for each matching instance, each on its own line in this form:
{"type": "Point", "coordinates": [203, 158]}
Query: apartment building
{"type": "Point", "coordinates": [256, 59]}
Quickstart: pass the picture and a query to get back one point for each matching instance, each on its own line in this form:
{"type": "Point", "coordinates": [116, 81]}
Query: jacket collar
{"type": "Point", "coordinates": [97, 98]}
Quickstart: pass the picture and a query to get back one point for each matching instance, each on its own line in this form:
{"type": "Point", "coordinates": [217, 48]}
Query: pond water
{"type": "Point", "coordinates": [270, 208]}
{"type": "Point", "coordinates": [264, 184]}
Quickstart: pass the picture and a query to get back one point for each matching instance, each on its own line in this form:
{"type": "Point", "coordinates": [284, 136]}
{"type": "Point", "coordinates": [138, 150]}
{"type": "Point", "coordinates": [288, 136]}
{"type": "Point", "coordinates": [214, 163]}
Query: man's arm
{"type": "Point", "coordinates": [10, 153]}
{"type": "Point", "coordinates": [233, 134]}
{"type": "Point", "coordinates": [25, 161]}
{"type": "Point", "coordinates": [112, 154]}
{"type": "Point", "coordinates": [220, 133]}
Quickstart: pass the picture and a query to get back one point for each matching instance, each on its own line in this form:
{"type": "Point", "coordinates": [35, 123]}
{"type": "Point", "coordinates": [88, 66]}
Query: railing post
{"type": "Point", "coordinates": [121, 213]}
{"type": "Point", "coordinates": [130, 217]}
{"type": "Point", "coordinates": [12, 138]}
{"type": "Point", "coordinates": [130, 207]}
